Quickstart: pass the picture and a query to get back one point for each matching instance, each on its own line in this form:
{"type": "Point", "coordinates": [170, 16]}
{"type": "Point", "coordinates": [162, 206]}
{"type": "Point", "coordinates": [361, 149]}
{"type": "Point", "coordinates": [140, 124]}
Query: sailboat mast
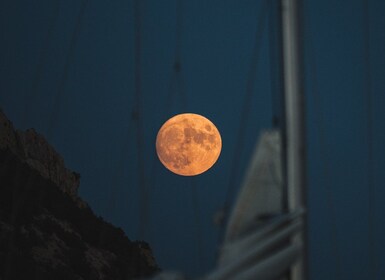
{"type": "Point", "coordinates": [294, 117]}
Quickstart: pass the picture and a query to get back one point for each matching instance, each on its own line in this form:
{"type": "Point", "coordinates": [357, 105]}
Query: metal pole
{"type": "Point", "coordinates": [295, 124]}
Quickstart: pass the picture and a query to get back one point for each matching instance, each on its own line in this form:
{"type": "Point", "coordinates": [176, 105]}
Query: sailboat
{"type": "Point", "coordinates": [265, 236]}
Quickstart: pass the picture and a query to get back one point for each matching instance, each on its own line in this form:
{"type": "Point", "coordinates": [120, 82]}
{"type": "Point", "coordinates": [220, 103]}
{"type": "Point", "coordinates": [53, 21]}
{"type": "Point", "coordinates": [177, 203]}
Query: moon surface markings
{"type": "Point", "coordinates": [188, 144]}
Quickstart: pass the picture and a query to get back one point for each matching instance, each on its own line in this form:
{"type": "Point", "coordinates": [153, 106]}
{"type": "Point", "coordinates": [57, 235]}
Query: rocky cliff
{"type": "Point", "coordinates": [46, 230]}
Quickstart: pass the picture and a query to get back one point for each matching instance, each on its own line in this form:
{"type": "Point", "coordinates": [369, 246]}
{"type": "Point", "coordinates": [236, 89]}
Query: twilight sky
{"type": "Point", "coordinates": [67, 69]}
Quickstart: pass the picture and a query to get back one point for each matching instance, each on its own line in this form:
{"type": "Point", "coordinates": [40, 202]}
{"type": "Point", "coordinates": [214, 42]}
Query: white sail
{"type": "Point", "coordinates": [261, 192]}
{"type": "Point", "coordinates": [257, 241]}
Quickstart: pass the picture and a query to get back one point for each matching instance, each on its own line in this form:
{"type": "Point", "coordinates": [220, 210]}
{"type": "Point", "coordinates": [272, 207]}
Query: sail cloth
{"type": "Point", "coordinates": [257, 242]}
{"type": "Point", "coordinates": [264, 253]}
{"type": "Point", "coordinates": [261, 192]}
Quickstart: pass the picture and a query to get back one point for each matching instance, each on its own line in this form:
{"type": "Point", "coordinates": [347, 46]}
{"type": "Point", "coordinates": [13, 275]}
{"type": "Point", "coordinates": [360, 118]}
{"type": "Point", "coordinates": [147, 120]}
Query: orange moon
{"type": "Point", "coordinates": [188, 144]}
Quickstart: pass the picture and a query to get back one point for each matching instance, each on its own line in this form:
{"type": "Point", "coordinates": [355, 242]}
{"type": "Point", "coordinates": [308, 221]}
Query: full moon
{"type": "Point", "coordinates": [188, 144]}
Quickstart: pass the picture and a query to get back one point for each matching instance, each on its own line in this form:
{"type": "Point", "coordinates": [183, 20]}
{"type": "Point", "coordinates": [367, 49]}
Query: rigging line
{"type": "Point", "coordinates": [276, 59]}
{"type": "Point", "coordinates": [278, 96]}
{"type": "Point", "coordinates": [176, 81]}
{"type": "Point", "coordinates": [179, 25]}
{"type": "Point", "coordinates": [138, 114]}
{"type": "Point", "coordinates": [169, 102]}
{"type": "Point", "coordinates": [176, 89]}
{"type": "Point", "coordinates": [119, 170]}
{"type": "Point", "coordinates": [168, 106]}
{"type": "Point", "coordinates": [176, 86]}
{"type": "Point", "coordinates": [111, 203]}
{"type": "Point", "coordinates": [197, 223]}
{"type": "Point", "coordinates": [277, 89]}
{"type": "Point", "coordinates": [367, 92]}
{"type": "Point", "coordinates": [181, 91]}
{"type": "Point", "coordinates": [325, 163]}
{"type": "Point", "coordinates": [32, 94]}
{"type": "Point", "coordinates": [171, 95]}
{"type": "Point", "coordinates": [246, 104]}
{"type": "Point", "coordinates": [181, 87]}
{"type": "Point", "coordinates": [69, 61]}
{"type": "Point", "coordinates": [274, 81]}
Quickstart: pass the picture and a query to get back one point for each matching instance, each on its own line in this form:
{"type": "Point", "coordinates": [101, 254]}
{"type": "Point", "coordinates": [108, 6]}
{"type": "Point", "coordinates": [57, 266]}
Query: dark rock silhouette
{"type": "Point", "coordinates": [32, 148]}
{"type": "Point", "coordinates": [46, 230]}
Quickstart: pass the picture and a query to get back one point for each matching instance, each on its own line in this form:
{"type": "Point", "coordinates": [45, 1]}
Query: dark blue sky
{"type": "Point", "coordinates": [73, 80]}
